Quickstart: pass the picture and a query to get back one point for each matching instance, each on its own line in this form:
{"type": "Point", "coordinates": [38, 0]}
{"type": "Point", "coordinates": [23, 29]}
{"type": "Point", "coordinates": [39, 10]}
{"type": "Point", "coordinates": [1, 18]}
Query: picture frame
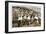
{"type": "Point", "coordinates": [9, 11]}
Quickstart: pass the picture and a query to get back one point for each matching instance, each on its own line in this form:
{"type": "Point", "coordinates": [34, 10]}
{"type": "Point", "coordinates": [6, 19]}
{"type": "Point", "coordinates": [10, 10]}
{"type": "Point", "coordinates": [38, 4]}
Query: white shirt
{"type": "Point", "coordinates": [19, 18]}
{"type": "Point", "coordinates": [35, 17]}
{"type": "Point", "coordinates": [24, 17]}
{"type": "Point", "coordinates": [28, 17]}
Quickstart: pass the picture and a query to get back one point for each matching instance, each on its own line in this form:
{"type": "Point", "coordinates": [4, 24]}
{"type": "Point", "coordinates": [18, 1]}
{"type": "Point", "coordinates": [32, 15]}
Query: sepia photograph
{"type": "Point", "coordinates": [24, 16]}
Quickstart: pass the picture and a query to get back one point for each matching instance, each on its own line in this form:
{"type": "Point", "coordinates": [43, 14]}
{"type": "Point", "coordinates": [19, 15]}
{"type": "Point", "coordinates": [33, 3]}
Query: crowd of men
{"type": "Point", "coordinates": [25, 17]}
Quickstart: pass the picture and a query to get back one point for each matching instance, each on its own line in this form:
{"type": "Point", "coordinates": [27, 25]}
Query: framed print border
{"type": "Point", "coordinates": [6, 16]}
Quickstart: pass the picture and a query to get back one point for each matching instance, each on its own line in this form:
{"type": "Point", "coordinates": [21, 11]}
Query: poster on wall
{"type": "Point", "coordinates": [24, 16]}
